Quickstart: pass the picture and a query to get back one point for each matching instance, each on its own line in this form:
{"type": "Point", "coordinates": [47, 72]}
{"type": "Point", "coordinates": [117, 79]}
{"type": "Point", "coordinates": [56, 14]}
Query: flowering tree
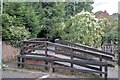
{"type": "Point", "coordinates": [84, 28]}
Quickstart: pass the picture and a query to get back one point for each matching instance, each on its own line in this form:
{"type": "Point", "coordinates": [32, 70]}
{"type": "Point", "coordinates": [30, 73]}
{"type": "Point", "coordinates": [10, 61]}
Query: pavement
{"type": "Point", "coordinates": [16, 74]}
{"type": "Point", "coordinates": [33, 74]}
{"type": "Point", "coordinates": [11, 71]}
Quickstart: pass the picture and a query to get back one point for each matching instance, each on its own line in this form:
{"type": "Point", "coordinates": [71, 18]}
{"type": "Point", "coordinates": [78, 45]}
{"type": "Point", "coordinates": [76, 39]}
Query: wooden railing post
{"type": "Point", "coordinates": [46, 63]}
{"type": "Point", "coordinates": [18, 65]}
{"type": "Point", "coordinates": [106, 70]}
{"type": "Point", "coordinates": [101, 66]}
{"type": "Point", "coordinates": [22, 53]}
{"type": "Point", "coordinates": [22, 50]}
{"type": "Point", "coordinates": [72, 59]}
{"type": "Point", "coordinates": [23, 60]}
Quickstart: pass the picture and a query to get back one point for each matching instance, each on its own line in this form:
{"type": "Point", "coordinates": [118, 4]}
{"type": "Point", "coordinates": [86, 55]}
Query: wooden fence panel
{"type": "Point", "coordinates": [68, 49]}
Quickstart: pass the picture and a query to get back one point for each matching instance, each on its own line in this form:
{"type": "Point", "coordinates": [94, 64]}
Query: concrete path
{"type": "Point", "coordinates": [13, 74]}
{"type": "Point", "coordinates": [11, 71]}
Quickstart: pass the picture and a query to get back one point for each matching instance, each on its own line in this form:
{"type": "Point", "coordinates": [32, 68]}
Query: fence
{"type": "Point", "coordinates": [112, 49]}
{"type": "Point", "coordinates": [50, 53]}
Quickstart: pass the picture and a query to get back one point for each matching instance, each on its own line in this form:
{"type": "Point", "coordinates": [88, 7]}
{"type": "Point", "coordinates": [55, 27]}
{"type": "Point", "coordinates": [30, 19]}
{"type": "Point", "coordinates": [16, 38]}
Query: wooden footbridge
{"type": "Point", "coordinates": [65, 55]}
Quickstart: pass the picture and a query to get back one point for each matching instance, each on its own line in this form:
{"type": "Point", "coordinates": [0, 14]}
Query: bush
{"type": "Point", "coordinates": [83, 28]}
{"type": "Point", "coordinates": [12, 33]}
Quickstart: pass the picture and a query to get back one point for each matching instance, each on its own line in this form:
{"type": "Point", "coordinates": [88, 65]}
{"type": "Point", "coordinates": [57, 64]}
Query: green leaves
{"type": "Point", "coordinates": [15, 35]}
{"type": "Point", "coordinates": [111, 30]}
{"type": "Point", "coordinates": [14, 29]}
{"type": "Point", "coordinates": [50, 20]}
{"type": "Point", "coordinates": [84, 28]}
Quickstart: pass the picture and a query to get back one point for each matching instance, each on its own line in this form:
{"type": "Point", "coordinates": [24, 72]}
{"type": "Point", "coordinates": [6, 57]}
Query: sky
{"type": "Point", "coordinates": [111, 6]}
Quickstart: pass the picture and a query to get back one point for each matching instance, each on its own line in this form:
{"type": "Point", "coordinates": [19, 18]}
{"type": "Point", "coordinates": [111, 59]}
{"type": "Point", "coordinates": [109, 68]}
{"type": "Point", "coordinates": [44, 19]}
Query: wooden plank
{"type": "Point", "coordinates": [81, 70]}
{"type": "Point", "coordinates": [31, 45]}
{"type": "Point", "coordinates": [36, 54]}
{"type": "Point", "coordinates": [43, 65]}
{"type": "Point", "coordinates": [33, 48]}
{"type": "Point", "coordinates": [68, 54]}
{"type": "Point", "coordinates": [85, 47]}
{"type": "Point", "coordinates": [87, 66]}
{"type": "Point", "coordinates": [83, 51]}
{"type": "Point", "coordinates": [28, 51]}
{"type": "Point", "coordinates": [68, 60]}
{"type": "Point", "coordinates": [34, 44]}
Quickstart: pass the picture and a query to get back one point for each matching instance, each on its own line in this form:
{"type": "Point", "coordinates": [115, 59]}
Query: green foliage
{"type": "Point", "coordinates": [38, 19]}
{"type": "Point", "coordinates": [61, 13]}
{"type": "Point", "coordinates": [57, 19]}
{"type": "Point", "coordinates": [83, 28]}
{"type": "Point", "coordinates": [31, 19]}
{"type": "Point", "coordinates": [19, 22]}
{"type": "Point", "coordinates": [111, 30]}
{"type": "Point", "coordinates": [13, 34]}
{"type": "Point", "coordinates": [25, 15]}
{"type": "Point", "coordinates": [73, 8]}
{"type": "Point", "coordinates": [52, 15]}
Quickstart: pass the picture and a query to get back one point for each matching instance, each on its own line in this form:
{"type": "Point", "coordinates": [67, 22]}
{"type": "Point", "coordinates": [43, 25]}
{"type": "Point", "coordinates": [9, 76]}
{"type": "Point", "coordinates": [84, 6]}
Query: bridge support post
{"type": "Point", "coordinates": [46, 63]}
{"type": "Point", "coordinates": [20, 60]}
{"type": "Point", "coordinates": [101, 66]}
{"type": "Point", "coordinates": [106, 70]}
{"type": "Point", "coordinates": [21, 53]}
{"type": "Point", "coordinates": [72, 71]}
{"type": "Point", "coordinates": [119, 58]}
{"type": "Point", "coordinates": [23, 60]}
{"type": "Point", "coordinates": [18, 65]}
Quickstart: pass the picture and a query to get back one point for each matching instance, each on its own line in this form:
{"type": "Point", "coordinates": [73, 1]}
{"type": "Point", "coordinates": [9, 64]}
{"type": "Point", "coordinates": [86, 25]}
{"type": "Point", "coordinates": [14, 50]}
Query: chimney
{"type": "Point", "coordinates": [105, 11]}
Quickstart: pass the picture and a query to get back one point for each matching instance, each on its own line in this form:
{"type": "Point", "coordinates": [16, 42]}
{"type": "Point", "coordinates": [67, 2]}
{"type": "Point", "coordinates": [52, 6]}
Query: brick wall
{"type": "Point", "coordinates": [8, 52]}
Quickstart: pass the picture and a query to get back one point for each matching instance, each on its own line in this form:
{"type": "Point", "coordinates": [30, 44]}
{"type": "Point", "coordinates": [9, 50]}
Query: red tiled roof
{"type": "Point", "coordinates": [103, 15]}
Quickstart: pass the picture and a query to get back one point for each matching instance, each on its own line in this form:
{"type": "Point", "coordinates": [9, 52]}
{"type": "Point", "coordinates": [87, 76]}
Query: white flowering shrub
{"type": "Point", "coordinates": [84, 28]}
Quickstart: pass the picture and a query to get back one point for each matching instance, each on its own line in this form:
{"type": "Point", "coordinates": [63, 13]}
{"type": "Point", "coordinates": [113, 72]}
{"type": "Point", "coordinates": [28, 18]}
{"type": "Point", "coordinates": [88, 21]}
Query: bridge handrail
{"type": "Point", "coordinates": [83, 46]}
{"type": "Point", "coordinates": [73, 48]}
